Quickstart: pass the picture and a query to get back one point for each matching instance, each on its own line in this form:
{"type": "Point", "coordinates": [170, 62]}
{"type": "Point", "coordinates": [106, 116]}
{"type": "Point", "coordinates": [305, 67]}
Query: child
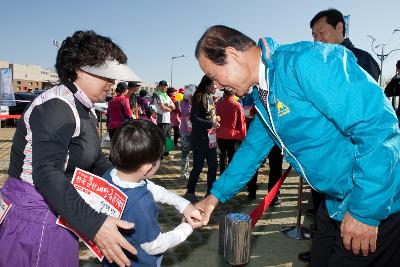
{"type": "Point", "coordinates": [185, 131]}
{"type": "Point", "coordinates": [175, 114]}
{"type": "Point", "coordinates": [150, 114]}
{"type": "Point", "coordinates": [136, 150]}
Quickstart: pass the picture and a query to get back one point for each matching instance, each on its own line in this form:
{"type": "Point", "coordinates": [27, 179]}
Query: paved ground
{"type": "Point", "coordinates": [269, 246]}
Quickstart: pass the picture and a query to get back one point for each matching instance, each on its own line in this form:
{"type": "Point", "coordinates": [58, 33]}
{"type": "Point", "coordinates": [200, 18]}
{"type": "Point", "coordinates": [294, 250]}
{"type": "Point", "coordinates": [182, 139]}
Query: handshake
{"type": "Point", "coordinates": [199, 214]}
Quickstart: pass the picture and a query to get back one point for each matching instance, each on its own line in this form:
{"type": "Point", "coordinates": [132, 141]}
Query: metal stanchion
{"type": "Point", "coordinates": [298, 232]}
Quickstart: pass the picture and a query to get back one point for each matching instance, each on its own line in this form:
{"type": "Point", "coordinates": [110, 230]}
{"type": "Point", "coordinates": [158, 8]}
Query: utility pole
{"type": "Point", "coordinates": [382, 56]}
{"type": "Point", "coordinates": [172, 65]}
{"type": "Point", "coordinates": [56, 43]}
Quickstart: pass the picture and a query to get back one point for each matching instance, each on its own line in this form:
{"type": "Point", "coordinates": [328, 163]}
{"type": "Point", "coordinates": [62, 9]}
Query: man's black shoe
{"type": "Point", "coordinates": [252, 195]}
{"type": "Point", "coordinates": [305, 256]}
{"type": "Point", "coordinates": [311, 212]}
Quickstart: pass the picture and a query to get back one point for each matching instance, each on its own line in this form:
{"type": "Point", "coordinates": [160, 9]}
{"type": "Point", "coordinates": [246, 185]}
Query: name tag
{"type": "Point", "coordinates": [4, 208]}
{"type": "Point", "coordinates": [212, 138]}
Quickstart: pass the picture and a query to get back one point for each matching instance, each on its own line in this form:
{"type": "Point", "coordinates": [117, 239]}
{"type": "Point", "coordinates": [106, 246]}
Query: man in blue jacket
{"type": "Point", "coordinates": [332, 125]}
{"type": "Point", "coordinates": [328, 26]}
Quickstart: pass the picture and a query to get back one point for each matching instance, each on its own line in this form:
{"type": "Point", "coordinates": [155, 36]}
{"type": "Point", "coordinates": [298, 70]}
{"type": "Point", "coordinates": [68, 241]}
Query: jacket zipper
{"type": "Point", "coordinates": [275, 133]}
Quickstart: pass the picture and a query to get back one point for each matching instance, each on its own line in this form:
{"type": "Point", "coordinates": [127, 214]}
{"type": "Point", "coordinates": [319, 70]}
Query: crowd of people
{"type": "Point", "coordinates": [316, 104]}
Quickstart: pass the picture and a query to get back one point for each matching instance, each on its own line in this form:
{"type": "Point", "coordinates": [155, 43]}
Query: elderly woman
{"type": "Point", "coordinates": [58, 133]}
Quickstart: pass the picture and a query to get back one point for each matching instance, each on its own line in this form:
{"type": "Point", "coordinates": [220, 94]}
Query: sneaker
{"type": "Point", "coordinates": [184, 176]}
{"type": "Point", "coordinates": [169, 157]}
{"type": "Point", "coordinates": [191, 197]}
{"type": "Point", "coordinates": [276, 202]}
{"type": "Point", "coordinates": [305, 256]}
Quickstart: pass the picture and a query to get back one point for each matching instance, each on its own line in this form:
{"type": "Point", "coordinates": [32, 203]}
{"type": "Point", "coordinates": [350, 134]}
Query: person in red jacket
{"type": "Point", "coordinates": [232, 127]}
{"type": "Point", "coordinates": [118, 110]}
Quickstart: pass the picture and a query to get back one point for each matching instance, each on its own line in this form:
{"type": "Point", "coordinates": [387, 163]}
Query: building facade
{"type": "Point", "coordinates": [28, 77]}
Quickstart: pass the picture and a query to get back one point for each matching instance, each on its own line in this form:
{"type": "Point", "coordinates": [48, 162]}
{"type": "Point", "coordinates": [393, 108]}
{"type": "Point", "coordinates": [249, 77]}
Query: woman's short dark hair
{"type": "Point", "coordinates": [398, 64]}
{"type": "Point", "coordinates": [143, 93]}
{"type": "Point", "coordinates": [135, 143]}
{"type": "Point", "coordinates": [85, 48]}
{"type": "Point", "coordinates": [333, 17]}
{"type": "Point", "coordinates": [216, 38]}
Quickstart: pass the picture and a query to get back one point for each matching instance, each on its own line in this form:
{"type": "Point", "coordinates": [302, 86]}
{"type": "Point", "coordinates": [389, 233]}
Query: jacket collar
{"type": "Point", "coordinates": [347, 43]}
{"type": "Point", "coordinates": [268, 47]}
{"type": "Point", "coordinates": [79, 94]}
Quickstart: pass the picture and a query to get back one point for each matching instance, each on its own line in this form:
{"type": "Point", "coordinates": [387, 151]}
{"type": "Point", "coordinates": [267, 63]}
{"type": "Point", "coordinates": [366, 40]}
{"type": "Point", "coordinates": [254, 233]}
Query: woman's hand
{"type": "Point", "coordinates": [110, 241]}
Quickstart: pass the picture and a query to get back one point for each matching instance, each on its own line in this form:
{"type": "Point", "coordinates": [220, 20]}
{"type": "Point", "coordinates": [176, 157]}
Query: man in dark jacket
{"type": "Point", "coordinates": [393, 87]}
{"type": "Point", "coordinates": [328, 26]}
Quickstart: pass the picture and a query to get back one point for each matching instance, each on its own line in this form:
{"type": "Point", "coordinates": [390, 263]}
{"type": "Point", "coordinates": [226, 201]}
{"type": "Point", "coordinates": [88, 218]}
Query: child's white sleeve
{"type": "Point", "coordinates": [167, 240]}
{"type": "Point", "coordinates": [160, 194]}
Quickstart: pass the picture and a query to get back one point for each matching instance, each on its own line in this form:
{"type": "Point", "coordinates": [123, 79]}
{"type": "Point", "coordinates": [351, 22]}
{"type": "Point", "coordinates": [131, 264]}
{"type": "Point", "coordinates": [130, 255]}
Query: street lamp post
{"type": "Point", "coordinates": [56, 43]}
{"type": "Point", "coordinates": [172, 65]}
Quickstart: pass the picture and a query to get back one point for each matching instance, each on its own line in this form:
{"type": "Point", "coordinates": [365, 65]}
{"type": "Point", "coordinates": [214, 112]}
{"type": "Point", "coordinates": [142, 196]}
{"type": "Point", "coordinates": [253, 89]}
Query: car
{"type": "Point", "coordinates": [3, 112]}
{"type": "Point", "coordinates": [101, 108]}
{"type": "Point", "coordinates": [22, 100]}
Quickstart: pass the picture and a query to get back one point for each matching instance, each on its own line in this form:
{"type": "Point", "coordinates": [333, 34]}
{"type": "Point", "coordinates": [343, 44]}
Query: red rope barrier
{"type": "Point", "coordinates": [10, 117]}
{"type": "Point", "coordinates": [264, 204]}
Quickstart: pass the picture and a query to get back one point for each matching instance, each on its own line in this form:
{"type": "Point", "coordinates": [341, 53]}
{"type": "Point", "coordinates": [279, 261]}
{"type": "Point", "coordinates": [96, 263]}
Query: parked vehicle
{"type": "Point", "coordinates": [22, 100]}
{"type": "Point", "coordinates": [3, 111]}
{"type": "Point", "coordinates": [101, 108]}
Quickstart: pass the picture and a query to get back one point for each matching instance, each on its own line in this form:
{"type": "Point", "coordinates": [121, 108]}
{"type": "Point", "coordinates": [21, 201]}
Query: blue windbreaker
{"type": "Point", "coordinates": [334, 125]}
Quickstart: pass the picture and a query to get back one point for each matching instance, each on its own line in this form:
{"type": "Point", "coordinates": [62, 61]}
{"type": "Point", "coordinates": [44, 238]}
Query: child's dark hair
{"type": "Point", "coordinates": [136, 143]}
{"type": "Point", "coordinates": [149, 111]}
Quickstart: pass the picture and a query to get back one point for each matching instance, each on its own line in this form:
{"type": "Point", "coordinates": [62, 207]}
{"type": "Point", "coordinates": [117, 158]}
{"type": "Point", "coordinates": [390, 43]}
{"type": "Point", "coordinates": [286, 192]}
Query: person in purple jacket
{"type": "Point", "coordinates": [142, 102]}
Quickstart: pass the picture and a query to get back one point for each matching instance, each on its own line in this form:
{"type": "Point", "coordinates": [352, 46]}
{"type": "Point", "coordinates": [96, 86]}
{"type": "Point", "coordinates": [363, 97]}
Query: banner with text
{"type": "Point", "coordinates": [6, 88]}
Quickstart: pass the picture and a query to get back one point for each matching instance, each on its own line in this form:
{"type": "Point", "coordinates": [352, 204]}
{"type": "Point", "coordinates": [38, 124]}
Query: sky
{"type": "Point", "coordinates": [151, 32]}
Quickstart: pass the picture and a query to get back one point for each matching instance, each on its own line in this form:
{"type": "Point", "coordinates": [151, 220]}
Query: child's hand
{"type": "Point", "coordinates": [192, 216]}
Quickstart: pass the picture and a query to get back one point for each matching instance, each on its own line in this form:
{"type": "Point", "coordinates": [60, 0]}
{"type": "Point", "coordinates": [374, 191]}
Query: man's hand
{"type": "Point", "coordinates": [207, 206]}
{"type": "Point", "coordinates": [357, 235]}
{"type": "Point", "coordinates": [193, 216]}
{"type": "Point", "coordinates": [110, 241]}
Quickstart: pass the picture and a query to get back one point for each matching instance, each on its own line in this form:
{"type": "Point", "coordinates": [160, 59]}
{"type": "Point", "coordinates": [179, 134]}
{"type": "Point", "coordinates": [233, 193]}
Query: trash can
{"type": "Point", "coordinates": [236, 238]}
